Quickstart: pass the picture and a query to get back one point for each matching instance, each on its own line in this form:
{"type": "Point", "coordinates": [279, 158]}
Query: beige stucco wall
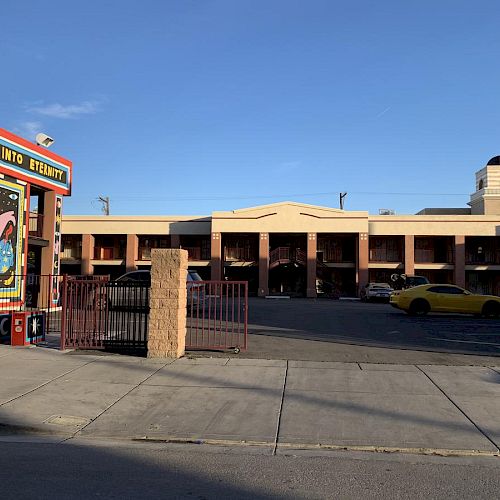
{"type": "Point", "coordinates": [435, 225]}
{"type": "Point", "coordinates": [114, 224]}
{"type": "Point", "coordinates": [289, 217]}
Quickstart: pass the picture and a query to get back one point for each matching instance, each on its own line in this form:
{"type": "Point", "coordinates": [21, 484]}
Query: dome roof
{"type": "Point", "coordinates": [494, 161]}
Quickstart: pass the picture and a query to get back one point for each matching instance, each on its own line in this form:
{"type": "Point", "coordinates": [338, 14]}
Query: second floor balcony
{"type": "Point", "coordinates": [35, 225]}
{"type": "Point", "coordinates": [386, 249]}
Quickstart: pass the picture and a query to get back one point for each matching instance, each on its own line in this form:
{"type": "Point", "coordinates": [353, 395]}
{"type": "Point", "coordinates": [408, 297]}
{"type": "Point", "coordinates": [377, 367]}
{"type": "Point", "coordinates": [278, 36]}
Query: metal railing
{"type": "Point", "coordinates": [383, 255]}
{"type": "Point", "coordinates": [217, 315]}
{"type": "Point", "coordinates": [35, 225]}
{"type": "Point", "coordinates": [71, 253]}
{"type": "Point", "coordinates": [197, 253]}
{"type": "Point", "coordinates": [284, 255]}
{"type": "Point", "coordinates": [102, 314]}
{"type": "Point", "coordinates": [240, 254]}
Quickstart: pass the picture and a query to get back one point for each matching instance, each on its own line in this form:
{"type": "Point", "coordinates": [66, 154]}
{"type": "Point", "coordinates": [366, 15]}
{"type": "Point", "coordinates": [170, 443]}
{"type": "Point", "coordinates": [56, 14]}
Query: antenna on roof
{"type": "Point", "coordinates": [341, 198]}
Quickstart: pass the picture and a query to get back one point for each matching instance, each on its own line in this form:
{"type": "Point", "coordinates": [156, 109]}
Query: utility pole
{"type": "Point", "coordinates": [105, 204]}
{"type": "Point", "coordinates": [341, 197]}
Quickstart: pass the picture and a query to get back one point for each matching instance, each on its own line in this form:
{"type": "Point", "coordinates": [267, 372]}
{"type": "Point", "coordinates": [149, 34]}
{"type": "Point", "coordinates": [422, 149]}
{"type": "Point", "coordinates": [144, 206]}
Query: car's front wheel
{"type": "Point", "coordinates": [491, 310]}
{"type": "Point", "coordinates": [419, 307]}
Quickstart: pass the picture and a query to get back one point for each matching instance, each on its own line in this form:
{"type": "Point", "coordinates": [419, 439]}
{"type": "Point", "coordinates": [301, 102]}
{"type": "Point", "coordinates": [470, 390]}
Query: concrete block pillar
{"type": "Point", "coordinates": [362, 260]}
{"type": "Point", "coordinates": [216, 257]}
{"type": "Point", "coordinates": [311, 265]}
{"type": "Point", "coordinates": [409, 254]}
{"type": "Point", "coordinates": [263, 264]}
{"type": "Point", "coordinates": [168, 301]}
{"type": "Point", "coordinates": [459, 275]}
{"type": "Point", "coordinates": [132, 252]}
{"type": "Point", "coordinates": [88, 242]}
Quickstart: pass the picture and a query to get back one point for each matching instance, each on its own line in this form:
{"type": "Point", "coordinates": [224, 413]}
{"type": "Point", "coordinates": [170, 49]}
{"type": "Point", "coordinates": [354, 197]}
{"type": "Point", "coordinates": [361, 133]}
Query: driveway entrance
{"type": "Point", "coordinates": [352, 331]}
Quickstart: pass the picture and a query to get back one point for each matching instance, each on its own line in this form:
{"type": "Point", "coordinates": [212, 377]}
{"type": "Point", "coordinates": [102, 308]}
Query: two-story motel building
{"type": "Point", "coordinates": [288, 248]}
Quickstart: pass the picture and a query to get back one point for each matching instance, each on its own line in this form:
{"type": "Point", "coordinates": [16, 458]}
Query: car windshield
{"type": "Point", "coordinates": [193, 276]}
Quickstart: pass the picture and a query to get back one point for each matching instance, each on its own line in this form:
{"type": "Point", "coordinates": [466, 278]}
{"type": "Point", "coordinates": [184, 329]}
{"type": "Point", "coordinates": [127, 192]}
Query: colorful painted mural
{"type": "Point", "coordinates": [57, 251]}
{"type": "Point", "coordinates": [12, 240]}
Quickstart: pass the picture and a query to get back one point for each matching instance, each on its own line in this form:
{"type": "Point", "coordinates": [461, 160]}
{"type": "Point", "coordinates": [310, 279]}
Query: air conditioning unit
{"type": "Point", "coordinates": [386, 211]}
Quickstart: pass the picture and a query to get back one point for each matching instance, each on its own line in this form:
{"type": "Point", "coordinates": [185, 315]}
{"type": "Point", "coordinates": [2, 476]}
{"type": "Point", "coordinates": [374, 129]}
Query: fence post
{"type": "Point", "coordinates": [64, 312]}
{"type": "Point", "coordinates": [168, 302]}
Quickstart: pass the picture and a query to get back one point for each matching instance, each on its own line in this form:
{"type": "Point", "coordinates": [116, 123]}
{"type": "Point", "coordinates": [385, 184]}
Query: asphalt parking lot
{"type": "Point", "coordinates": [374, 332]}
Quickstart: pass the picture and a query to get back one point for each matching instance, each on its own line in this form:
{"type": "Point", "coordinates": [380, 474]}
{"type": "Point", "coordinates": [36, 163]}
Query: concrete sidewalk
{"type": "Point", "coordinates": [46, 394]}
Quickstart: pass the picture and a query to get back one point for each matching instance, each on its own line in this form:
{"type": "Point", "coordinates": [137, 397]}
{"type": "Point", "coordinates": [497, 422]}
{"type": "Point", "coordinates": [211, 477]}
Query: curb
{"type": "Point", "coordinates": [444, 452]}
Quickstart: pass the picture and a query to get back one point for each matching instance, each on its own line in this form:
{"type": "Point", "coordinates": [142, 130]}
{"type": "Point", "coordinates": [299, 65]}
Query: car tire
{"type": "Point", "coordinates": [419, 307]}
{"type": "Point", "coordinates": [491, 310]}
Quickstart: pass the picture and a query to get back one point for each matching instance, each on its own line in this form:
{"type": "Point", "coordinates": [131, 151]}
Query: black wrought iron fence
{"type": "Point", "coordinates": [101, 314]}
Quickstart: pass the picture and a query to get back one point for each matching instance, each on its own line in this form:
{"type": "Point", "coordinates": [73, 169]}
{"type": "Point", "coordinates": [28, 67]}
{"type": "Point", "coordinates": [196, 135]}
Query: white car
{"type": "Point", "coordinates": [376, 291]}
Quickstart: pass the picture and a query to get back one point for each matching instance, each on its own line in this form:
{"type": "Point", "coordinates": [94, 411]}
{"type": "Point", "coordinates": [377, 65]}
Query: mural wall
{"type": "Point", "coordinates": [12, 240]}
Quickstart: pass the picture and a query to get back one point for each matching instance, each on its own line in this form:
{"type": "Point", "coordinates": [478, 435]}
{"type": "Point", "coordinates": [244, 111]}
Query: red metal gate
{"type": "Point", "coordinates": [102, 314]}
{"type": "Point", "coordinates": [217, 315]}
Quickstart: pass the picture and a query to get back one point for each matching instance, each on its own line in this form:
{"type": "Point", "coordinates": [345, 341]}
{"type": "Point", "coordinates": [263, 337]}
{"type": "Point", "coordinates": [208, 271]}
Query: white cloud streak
{"type": "Point", "coordinates": [68, 111]}
{"type": "Point", "coordinates": [28, 129]}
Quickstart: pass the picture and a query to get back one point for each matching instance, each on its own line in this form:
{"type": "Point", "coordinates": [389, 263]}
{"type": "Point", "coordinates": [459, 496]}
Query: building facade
{"type": "Point", "coordinates": [298, 249]}
{"type": "Point", "coordinates": [33, 182]}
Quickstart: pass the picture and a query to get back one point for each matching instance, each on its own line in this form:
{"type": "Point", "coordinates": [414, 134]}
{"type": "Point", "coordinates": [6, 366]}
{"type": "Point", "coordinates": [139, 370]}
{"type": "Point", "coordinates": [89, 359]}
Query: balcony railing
{"type": "Point", "coordinates": [144, 253]}
{"type": "Point", "coordinates": [485, 259]}
{"type": "Point", "coordinates": [197, 253]}
{"type": "Point", "coordinates": [336, 255]}
{"type": "Point", "coordinates": [240, 254]}
{"type": "Point", "coordinates": [106, 253]}
{"type": "Point", "coordinates": [71, 253]}
{"type": "Point", "coordinates": [35, 226]}
{"type": "Point", "coordinates": [383, 255]}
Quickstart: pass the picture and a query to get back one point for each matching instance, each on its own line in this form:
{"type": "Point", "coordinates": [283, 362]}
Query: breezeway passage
{"type": "Point", "coordinates": [372, 325]}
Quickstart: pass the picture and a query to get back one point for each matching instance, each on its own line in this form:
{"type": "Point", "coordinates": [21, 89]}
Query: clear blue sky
{"type": "Point", "coordinates": [190, 106]}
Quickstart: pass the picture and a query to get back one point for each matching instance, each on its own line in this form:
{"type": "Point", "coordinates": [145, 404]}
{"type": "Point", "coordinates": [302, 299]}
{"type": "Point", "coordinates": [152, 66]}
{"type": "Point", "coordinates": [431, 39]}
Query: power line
{"type": "Point", "coordinates": [289, 195]}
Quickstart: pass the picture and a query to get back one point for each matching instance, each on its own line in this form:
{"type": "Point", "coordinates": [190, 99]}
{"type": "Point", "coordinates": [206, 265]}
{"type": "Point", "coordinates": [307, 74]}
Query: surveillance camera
{"type": "Point", "coordinates": [44, 140]}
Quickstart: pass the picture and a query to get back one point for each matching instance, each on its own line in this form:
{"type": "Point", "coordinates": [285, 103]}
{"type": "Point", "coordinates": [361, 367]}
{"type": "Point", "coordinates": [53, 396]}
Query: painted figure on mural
{"type": "Point", "coordinates": [7, 249]}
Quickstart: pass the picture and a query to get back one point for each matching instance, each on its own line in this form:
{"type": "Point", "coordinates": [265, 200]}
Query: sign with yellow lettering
{"type": "Point", "coordinates": [34, 164]}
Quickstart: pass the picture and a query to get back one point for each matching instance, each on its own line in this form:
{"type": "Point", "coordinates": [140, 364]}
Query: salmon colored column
{"type": "Point", "coordinates": [87, 254]}
{"type": "Point", "coordinates": [132, 252]}
{"type": "Point", "coordinates": [460, 261]}
{"type": "Point", "coordinates": [311, 265]}
{"type": "Point", "coordinates": [215, 257]}
{"type": "Point", "coordinates": [409, 254]}
{"type": "Point", "coordinates": [263, 264]}
{"type": "Point", "coordinates": [362, 261]}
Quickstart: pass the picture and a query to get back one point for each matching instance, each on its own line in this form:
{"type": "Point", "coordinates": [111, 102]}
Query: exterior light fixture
{"type": "Point", "coordinates": [44, 140]}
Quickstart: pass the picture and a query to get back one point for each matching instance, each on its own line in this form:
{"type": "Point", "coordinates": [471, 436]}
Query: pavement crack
{"type": "Point", "coordinates": [278, 424]}
{"type": "Point", "coordinates": [460, 409]}
{"type": "Point", "coordinates": [115, 402]}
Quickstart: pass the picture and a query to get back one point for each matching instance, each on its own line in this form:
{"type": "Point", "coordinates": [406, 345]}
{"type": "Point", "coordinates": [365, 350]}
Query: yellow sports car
{"type": "Point", "coordinates": [420, 300]}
